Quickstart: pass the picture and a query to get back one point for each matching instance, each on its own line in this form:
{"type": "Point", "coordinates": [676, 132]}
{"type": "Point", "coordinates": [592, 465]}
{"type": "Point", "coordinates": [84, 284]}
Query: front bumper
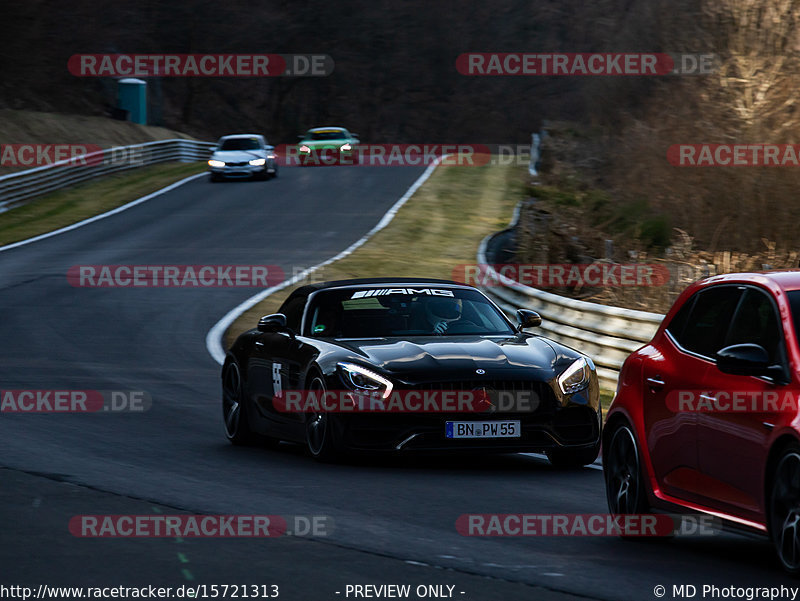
{"type": "Point", "coordinates": [327, 157]}
{"type": "Point", "coordinates": [573, 427]}
{"type": "Point", "coordinates": [242, 171]}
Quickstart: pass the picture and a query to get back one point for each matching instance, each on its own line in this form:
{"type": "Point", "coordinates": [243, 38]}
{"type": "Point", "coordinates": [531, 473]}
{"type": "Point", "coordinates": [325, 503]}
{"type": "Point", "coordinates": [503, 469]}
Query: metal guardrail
{"type": "Point", "coordinates": [607, 334]}
{"type": "Point", "coordinates": [18, 187]}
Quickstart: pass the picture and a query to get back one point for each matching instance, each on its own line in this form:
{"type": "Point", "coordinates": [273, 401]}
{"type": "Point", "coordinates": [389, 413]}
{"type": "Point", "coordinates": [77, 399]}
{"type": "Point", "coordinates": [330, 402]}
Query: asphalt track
{"type": "Point", "coordinates": [394, 518]}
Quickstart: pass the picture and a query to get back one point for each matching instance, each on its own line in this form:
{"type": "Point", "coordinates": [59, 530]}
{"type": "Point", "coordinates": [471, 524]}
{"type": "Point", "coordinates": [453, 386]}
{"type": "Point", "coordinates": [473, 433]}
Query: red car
{"type": "Point", "coordinates": [705, 418]}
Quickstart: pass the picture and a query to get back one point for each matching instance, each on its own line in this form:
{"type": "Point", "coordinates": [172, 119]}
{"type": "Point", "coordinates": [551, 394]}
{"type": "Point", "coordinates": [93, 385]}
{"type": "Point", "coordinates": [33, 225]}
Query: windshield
{"type": "Point", "coordinates": [402, 312]}
{"type": "Point", "coordinates": [240, 144]}
{"type": "Point", "coordinates": [326, 135]}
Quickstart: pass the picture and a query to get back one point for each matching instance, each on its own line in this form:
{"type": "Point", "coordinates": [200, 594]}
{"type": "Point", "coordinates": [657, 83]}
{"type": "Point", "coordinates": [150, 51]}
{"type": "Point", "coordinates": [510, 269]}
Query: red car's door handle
{"type": "Point", "coordinates": [655, 383]}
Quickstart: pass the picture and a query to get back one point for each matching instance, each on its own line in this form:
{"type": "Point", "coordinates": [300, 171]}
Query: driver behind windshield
{"type": "Point", "coordinates": [375, 313]}
{"type": "Point", "coordinates": [442, 313]}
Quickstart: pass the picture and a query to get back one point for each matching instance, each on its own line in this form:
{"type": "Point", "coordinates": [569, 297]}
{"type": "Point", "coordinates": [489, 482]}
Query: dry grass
{"type": "Point", "coordinates": [74, 204]}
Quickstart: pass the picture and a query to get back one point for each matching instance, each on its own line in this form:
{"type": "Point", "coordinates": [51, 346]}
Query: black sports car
{"type": "Point", "coordinates": [390, 336]}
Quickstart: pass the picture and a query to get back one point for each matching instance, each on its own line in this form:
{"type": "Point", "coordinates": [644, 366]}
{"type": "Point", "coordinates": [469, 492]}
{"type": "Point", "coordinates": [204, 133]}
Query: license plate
{"type": "Point", "coordinates": [491, 429]}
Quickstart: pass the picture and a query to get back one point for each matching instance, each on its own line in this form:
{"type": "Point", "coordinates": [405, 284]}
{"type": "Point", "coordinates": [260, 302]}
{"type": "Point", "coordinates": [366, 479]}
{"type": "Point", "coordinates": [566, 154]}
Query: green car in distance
{"type": "Point", "coordinates": [328, 146]}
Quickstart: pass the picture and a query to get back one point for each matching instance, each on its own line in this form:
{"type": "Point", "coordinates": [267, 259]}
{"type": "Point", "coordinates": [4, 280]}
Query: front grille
{"type": "Point", "coordinates": [548, 426]}
{"type": "Point", "coordinates": [236, 164]}
{"type": "Point", "coordinates": [529, 396]}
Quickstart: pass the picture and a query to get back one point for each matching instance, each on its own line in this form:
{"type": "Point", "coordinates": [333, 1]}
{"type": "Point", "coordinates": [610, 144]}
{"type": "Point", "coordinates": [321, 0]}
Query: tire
{"type": "Point", "coordinates": [234, 414]}
{"type": "Point", "coordinates": [214, 178]}
{"type": "Point", "coordinates": [623, 474]}
{"type": "Point", "coordinates": [573, 458]}
{"type": "Point", "coordinates": [321, 436]}
{"type": "Point", "coordinates": [784, 510]}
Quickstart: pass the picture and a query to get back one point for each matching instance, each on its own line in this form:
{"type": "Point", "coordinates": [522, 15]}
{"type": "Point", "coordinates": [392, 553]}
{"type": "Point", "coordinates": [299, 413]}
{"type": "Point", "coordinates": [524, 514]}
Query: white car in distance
{"type": "Point", "coordinates": [242, 156]}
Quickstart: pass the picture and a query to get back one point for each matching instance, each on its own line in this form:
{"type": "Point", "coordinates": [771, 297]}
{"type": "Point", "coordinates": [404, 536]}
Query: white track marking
{"type": "Point", "coordinates": [124, 207]}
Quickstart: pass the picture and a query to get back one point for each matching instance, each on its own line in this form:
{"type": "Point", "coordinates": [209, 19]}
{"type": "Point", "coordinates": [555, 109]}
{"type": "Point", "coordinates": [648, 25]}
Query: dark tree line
{"type": "Point", "coordinates": [395, 76]}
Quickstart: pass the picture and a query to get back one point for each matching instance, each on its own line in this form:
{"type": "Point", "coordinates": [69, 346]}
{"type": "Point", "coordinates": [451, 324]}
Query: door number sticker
{"type": "Point", "coordinates": [277, 387]}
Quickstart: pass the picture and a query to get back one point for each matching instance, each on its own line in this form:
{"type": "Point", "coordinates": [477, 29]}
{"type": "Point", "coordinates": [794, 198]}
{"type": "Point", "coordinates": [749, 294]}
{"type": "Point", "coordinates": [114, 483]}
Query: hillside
{"type": "Point", "coordinates": [30, 127]}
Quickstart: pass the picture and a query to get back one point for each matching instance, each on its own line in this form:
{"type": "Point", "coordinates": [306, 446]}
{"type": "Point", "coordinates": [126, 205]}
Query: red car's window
{"type": "Point", "coordinates": [756, 322]}
{"type": "Point", "coordinates": [678, 323]}
{"type": "Point", "coordinates": [794, 302]}
{"type": "Point", "coordinates": [707, 323]}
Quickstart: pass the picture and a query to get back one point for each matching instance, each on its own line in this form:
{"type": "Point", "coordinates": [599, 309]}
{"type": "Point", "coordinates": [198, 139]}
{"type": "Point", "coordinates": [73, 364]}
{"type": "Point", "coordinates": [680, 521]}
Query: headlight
{"type": "Point", "coordinates": [215, 163]}
{"type": "Point", "coordinates": [346, 147]}
{"type": "Point", "coordinates": [258, 162]}
{"type": "Point", "coordinates": [272, 156]}
{"type": "Point", "coordinates": [575, 377]}
{"type": "Point", "coordinates": [305, 148]}
{"type": "Point", "coordinates": [363, 379]}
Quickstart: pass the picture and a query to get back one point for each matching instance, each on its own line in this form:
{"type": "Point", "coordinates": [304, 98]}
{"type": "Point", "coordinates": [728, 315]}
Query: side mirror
{"type": "Point", "coordinates": [274, 323]}
{"type": "Point", "coordinates": [743, 360]}
{"type": "Point", "coordinates": [528, 319]}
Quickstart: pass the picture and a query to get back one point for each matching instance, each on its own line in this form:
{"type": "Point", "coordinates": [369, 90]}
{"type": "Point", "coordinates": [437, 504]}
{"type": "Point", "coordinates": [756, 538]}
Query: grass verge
{"type": "Point", "coordinates": [606, 396]}
{"type": "Point", "coordinates": [68, 206]}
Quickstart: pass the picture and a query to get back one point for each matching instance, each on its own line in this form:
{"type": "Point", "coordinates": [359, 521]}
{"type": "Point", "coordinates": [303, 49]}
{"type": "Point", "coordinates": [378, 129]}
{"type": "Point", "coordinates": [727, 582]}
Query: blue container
{"type": "Point", "coordinates": [132, 97]}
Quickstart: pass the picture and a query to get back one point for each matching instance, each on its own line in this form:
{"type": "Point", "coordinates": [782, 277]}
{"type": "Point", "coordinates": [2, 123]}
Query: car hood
{"type": "Point", "coordinates": [437, 358]}
{"type": "Point", "coordinates": [325, 143]}
{"type": "Point", "coordinates": [238, 156]}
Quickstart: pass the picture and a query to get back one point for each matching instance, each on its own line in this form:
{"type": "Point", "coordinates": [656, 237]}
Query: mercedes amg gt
{"type": "Point", "coordinates": [408, 336]}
